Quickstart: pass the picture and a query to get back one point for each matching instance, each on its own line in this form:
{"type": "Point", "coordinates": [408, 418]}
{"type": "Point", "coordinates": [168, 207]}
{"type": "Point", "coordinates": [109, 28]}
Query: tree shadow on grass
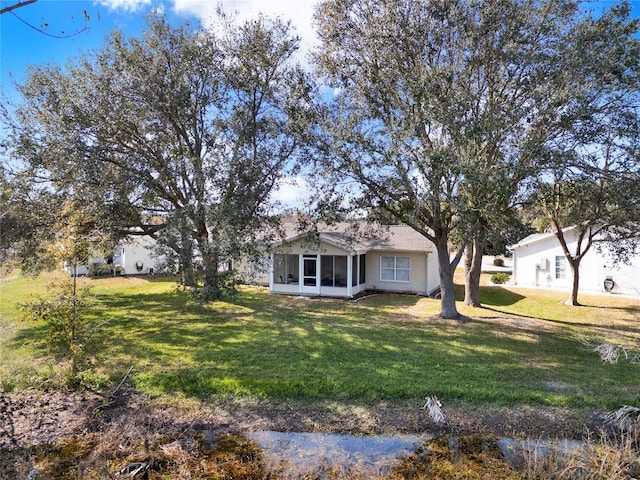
{"type": "Point", "coordinates": [266, 346]}
{"type": "Point", "coordinates": [499, 297]}
{"type": "Point", "coordinates": [31, 334]}
{"type": "Point", "coordinates": [495, 297]}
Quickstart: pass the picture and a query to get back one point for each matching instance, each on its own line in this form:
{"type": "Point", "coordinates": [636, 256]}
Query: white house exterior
{"type": "Point", "coordinates": [132, 256]}
{"type": "Point", "coordinates": [330, 264]}
{"type": "Point", "coordinates": [538, 261]}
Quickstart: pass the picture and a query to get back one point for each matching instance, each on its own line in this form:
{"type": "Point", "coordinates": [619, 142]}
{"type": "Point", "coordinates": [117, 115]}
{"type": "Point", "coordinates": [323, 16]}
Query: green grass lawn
{"type": "Point", "coordinates": [386, 347]}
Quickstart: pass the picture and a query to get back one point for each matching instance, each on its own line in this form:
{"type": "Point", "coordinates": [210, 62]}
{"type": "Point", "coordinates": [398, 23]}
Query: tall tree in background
{"type": "Point", "coordinates": [27, 215]}
{"type": "Point", "coordinates": [182, 126]}
{"type": "Point", "coordinates": [436, 103]}
{"type": "Point", "coordinates": [592, 151]}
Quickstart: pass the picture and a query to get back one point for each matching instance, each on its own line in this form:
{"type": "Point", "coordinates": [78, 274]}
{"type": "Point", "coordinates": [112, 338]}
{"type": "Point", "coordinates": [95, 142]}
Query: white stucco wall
{"type": "Point", "coordinates": [136, 250]}
{"type": "Point", "coordinates": [534, 264]}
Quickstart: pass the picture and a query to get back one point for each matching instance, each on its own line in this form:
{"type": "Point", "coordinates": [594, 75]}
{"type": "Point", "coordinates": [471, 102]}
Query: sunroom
{"type": "Point", "coordinates": [325, 265]}
{"type": "Point", "coordinates": [333, 264]}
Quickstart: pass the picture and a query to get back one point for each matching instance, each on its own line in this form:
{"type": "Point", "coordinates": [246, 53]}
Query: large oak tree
{"type": "Point", "coordinates": [437, 101]}
{"type": "Point", "coordinates": [182, 126]}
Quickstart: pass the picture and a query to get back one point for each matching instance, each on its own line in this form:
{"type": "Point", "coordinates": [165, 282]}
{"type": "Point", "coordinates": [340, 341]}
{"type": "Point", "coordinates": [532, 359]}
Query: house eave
{"type": "Point", "coordinates": [321, 238]}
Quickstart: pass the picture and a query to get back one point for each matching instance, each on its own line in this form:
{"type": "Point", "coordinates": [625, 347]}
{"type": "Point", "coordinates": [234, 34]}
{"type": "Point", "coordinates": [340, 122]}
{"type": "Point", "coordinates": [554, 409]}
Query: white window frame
{"type": "Point", "coordinates": [395, 268]}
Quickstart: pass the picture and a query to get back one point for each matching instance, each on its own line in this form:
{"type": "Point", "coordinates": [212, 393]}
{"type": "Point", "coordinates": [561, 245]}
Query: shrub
{"type": "Point", "coordinates": [70, 332]}
{"type": "Point", "coordinates": [498, 262]}
{"type": "Point", "coordinates": [500, 278]}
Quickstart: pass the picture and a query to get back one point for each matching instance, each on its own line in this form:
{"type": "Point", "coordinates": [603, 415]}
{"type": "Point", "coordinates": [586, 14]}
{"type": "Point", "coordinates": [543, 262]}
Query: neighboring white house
{"type": "Point", "coordinates": [332, 264]}
{"type": "Point", "coordinates": [539, 261]}
{"type": "Point", "coordinates": [132, 256]}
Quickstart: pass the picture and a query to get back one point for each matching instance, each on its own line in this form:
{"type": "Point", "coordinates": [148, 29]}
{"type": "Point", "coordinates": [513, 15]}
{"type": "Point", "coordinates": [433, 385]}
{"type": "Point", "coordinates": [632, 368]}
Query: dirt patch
{"type": "Point", "coordinates": [97, 439]}
{"type": "Point", "coordinates": [42, 417]}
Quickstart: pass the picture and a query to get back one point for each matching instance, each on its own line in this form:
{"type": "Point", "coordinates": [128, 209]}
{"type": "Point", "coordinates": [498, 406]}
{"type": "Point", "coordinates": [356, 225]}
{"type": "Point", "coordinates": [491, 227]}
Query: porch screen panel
{"type": "Point", "coordinates": [354, 270]}
{"type": "Point", "coordinates": [285, 268]}
{"type": "Point", "coordinates": [341, 271]}
{"type": "Point", "coordinates": [293, 268]}
{"type": "Point", "coordinates": [326, 270]}
{"type": "Point", "coordinates": [279, 268]}
{"type": "Point", "coordinates": [333, 270]}
{"type": "Point", "coordinates": [363, 262]}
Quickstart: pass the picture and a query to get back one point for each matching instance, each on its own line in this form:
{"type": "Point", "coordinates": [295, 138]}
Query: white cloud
{"type": "Point", "coordinates": [291, 191]}
{"type": "Point", "coordinates": [126, 5]}
{"type": "Point", "coordinates": [299, 12]}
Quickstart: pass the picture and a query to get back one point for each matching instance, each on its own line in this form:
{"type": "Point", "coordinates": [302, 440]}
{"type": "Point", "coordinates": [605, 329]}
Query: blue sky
{"type": "Point", "coordinates": [21, 45]}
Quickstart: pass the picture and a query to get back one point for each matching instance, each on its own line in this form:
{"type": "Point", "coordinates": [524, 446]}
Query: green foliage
{"type": "Point", "coordinates": [500, 278]}
{"type": "Point", "coordinates": [228, 283]}
{"type": "Point", "coordinates": [66, 312]}
{"type": "Point", "coordinates": [99, 269]}
{"type": "Point", "coordinates": [227, 286]}
{"type": "Point", "coordinates": [589, 174]}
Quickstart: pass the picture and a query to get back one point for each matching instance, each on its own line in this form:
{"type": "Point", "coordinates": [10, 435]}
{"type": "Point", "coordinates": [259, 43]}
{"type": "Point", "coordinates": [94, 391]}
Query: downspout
{"type": "Point", "coordinates": [271, 273]}
{"type": "Point", "coordinates": [426, 273]}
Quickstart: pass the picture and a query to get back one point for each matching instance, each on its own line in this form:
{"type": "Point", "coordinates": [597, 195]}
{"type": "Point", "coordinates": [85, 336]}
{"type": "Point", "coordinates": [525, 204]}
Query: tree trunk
{"type": "Point", "coordinates": [575, 284]}
{"type": "Point", "coordinates": [188, 276]}
{"type": "Point", "coordinates": [448, 308]}
{"type": "Point", "coordinates": [187, 273]}
{"type": "Point", "coordinates": [472, 270]}
{"type": "Point", "coordinates": [211, 276]}
{"type": "Point", "coordinates": [186, 261]}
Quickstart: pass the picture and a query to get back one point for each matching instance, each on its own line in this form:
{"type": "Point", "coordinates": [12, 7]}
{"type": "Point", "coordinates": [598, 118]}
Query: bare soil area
{"type": "Point", "coordinates": [53, 434]}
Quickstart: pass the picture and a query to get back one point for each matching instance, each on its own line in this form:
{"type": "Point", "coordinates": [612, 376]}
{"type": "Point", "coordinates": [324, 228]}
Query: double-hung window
{"type": "Point", "coordinates": [561, 267]}
{"type": "Point", "coordinates": [395, 269]}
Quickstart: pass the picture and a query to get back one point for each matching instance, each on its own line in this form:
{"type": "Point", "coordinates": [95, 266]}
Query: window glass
{"type": "Point", "coordinates": [395, 269]}
{"type": "Point", "coordinates": [402, 275]}
{"type": "Point", "coordinates": [387, 263]}
{"type": "Point", "coordinates": [402, 262]}
{"type": "Point", "coordinates": [388, 269]}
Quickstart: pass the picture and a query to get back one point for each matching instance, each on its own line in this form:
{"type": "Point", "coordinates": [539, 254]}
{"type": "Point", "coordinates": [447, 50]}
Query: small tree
{"type": "Point", "coordinates": [66, 311]}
